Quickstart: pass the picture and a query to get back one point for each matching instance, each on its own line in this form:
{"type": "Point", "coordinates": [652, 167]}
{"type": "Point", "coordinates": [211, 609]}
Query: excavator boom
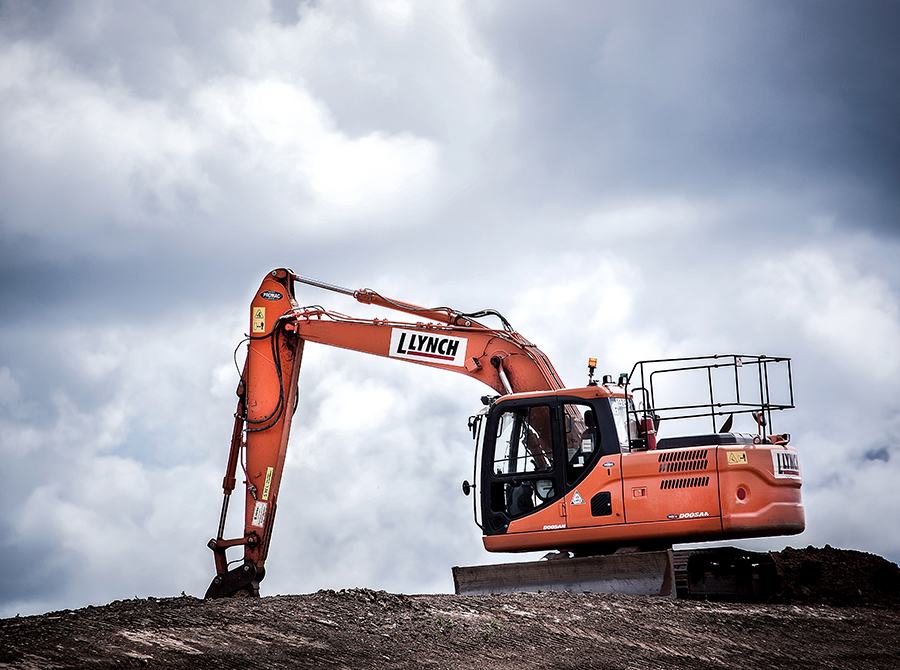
{"type": "Point", "coordinates": [267, 393]}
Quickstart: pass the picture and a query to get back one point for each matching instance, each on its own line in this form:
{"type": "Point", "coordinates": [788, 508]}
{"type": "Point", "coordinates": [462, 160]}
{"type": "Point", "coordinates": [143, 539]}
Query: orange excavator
{"type": "Point", "coordinates": [582, 472]}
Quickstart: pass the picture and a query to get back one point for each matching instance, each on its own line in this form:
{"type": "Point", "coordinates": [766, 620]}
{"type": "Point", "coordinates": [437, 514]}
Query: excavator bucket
{"type": "Point", "coordinates": [240, 581]}
{"type": "Point", "coordinates": [639, 573]}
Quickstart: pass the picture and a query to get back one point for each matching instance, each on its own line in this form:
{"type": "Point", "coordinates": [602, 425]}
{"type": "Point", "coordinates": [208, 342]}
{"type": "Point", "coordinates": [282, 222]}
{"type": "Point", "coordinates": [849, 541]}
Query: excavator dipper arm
{"type": "Point", "coordinates": [267, 393]}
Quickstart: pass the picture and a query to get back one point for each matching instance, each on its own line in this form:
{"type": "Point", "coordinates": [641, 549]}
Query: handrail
{"type": "Point", "coordinates": [645, 373]}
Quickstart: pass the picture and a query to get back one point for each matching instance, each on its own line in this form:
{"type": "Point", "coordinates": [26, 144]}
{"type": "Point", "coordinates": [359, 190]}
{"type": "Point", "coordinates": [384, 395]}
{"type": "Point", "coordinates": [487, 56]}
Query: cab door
{"type": "Point", "coordinates": [521, 469]}
{"type": "Point", "coordinates": [593, 475]}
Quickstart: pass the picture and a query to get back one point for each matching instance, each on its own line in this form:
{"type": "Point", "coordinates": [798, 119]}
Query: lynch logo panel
{"type": "Point", "coordinates": [428, 347]}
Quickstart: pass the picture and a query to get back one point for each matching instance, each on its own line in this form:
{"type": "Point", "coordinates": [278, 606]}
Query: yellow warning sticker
{"type": "Point", "coordinates": [259, 319]}
{"type": "Point", "coordinates": [737, 458]}
{"type": "Point", "coordinates": [268, 483]}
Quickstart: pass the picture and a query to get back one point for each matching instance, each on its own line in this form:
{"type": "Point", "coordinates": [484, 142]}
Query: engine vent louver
{"type": "Point", "coordinates": [684, 483]}
{"type": "Point", "coordinates": [683, 460]}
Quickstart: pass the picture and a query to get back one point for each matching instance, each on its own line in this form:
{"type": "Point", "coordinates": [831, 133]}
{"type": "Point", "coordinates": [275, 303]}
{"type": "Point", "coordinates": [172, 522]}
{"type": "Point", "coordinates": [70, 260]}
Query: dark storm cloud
{"type": "Point", "coordinates": [42, 580]}
{"type": "Point", "coordinates": [878, 454]}
{"type": "Point", "coordinates": [155, 49]}
{"type": "Point", "coordinates": [711, 98]}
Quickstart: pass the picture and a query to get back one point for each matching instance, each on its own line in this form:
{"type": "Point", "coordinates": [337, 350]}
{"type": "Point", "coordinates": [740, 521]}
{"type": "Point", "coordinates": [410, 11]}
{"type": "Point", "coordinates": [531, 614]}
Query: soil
{"type": "Point", "coordinates": [844, 615]}
{"type": "Point", "coordinates": [837, 577]}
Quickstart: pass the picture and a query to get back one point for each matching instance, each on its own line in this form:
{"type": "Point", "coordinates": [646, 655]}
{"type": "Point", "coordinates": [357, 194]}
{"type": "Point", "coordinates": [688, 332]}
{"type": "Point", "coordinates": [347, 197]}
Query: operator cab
{"type": "Point", "coordinates": [536, 447]}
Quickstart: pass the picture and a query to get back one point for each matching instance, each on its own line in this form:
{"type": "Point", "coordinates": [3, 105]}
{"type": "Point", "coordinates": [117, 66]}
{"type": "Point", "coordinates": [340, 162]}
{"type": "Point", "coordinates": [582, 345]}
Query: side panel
{"type": "Point", "coordinates": [623, 534]}
{"type": "Point", "coordinates": [597, 499]}
{"type": "Point", "coordinates": [760, 490]}
{"type": "Point", "coordinates": [758, 494]}
{"type": "Point", "coordinates": [549, 518]}
{"type": "Point", "coordinates": [670, 485]}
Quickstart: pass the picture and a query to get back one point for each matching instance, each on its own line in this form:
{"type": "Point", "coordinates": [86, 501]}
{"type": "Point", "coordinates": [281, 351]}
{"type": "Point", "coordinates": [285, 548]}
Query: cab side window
{"type": "Point", "coordinates": [524, 442]}
{"type": "Point", "coordinates": [582, 439]}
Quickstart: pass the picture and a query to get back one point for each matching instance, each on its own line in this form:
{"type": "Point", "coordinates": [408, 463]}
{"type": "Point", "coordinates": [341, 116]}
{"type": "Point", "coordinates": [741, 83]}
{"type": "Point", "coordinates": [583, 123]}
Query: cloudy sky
{"type": "Point", "coordinates": [622, 180]}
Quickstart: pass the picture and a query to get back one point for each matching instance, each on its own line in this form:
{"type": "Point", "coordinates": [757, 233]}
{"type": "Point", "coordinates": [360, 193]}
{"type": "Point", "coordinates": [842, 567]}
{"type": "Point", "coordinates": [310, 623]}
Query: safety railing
{"type": "Point", "coordinates": [758, 372]}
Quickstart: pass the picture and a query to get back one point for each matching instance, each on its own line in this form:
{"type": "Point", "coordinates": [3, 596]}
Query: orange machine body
{"type": "Point", "coordinates": [661, 496]}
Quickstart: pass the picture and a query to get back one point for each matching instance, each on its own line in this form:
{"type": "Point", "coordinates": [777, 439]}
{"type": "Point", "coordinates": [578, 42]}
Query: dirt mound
{"type": "Point", "coordinates": [842, 577]}
{"type": "Point", "coordinates": [369, 629]}
{"type": "Point", "coordinates": [841, 612]}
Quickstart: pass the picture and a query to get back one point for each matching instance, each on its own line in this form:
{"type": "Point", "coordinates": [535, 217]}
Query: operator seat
{"type": "Point", "coordinates": [520, 499]}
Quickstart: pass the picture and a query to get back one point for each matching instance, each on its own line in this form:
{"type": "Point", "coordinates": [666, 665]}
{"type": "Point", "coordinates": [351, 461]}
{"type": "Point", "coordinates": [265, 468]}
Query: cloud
{"type": "Point", "coordinates": [623, 182]}
{"type": "Point", "coordinates": [9, 387]}
{"type": "Point", "coordinates": [849, 314]}
{"type": "Point", "coordinates": [150, 166]}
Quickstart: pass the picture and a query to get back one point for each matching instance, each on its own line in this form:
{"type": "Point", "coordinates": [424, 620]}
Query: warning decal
{"type": "Point", "coordinates": [258, 319]}
{"type": "Point", "coordinates": [737, 458]}
{"type": "Point", "coordinates": [268, 483]}
{"type": "Point", "coordinates": [259, 514]}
